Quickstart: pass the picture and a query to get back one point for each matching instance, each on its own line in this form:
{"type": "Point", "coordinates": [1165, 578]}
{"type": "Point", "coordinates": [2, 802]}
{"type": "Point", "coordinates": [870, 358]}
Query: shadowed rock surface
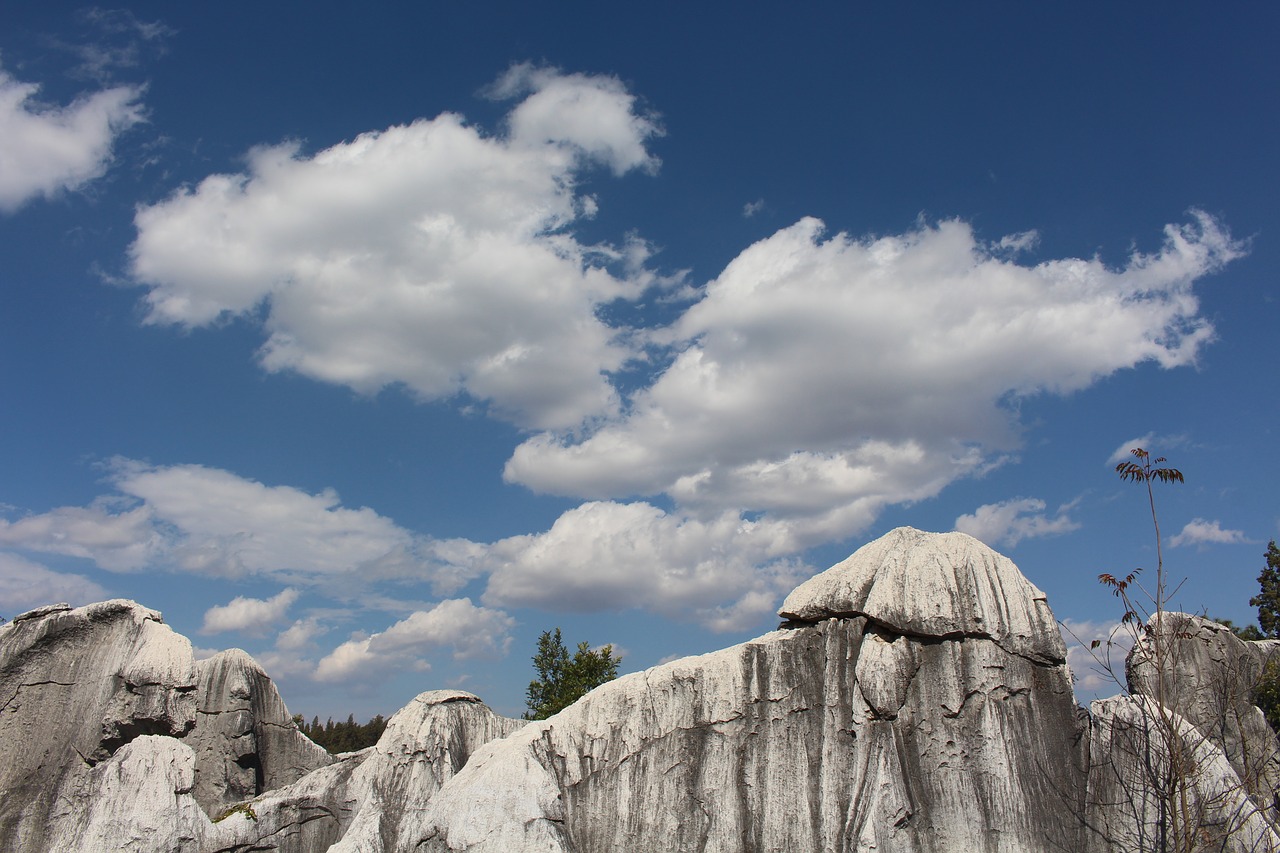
{"type": "Point", "coordinates": [1207, 676]}
{"type": "Point", "coordinates": [915, 700]}
{"type": "Point", "coordinates": [245, 740]}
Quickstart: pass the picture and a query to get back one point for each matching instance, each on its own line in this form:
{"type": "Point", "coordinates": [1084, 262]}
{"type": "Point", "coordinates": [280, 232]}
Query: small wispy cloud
{"type": "Point", "coordinates": [1200, 531]}
{"type": "Point", "coordinates": [751, 208]}
{"type": "Point", "coordinates": [1009, 522]}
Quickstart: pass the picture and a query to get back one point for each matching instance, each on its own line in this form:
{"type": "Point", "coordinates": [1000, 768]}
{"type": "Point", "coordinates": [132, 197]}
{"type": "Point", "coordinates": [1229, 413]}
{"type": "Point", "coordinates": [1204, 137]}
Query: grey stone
{"type": "Point", "coordinates": [915, 700]}
{"type": "Point", "coordinates": [75, 686]}
{"type": "Point", "coordinates": [244, 739]}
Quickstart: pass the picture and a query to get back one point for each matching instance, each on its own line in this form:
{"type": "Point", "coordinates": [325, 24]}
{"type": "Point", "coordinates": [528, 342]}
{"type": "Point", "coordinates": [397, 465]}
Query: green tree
{"type": "Point", "coordinates": [1268, 599]}
{"type": "Point", "coordinates": [562, 680]}
{"type": "Point", "coordinates": [1267, 694]}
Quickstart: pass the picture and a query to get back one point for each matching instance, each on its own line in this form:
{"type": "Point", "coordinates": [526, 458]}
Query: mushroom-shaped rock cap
{"type": "Point", "coordinates": [934, 585]}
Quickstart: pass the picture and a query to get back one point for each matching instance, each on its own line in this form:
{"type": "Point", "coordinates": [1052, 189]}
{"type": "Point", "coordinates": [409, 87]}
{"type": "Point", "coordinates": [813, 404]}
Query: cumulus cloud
{"type": "Point", "coordinates": [724, 572]}
{"type": "Point", "coordinates": [469, 631]}
{"type": "Point", "coordinates": [1011, 521]}
{"type": "Point", "coordinates": [252, 616]}
{"type": "Point", "coordinates": [301, 634]}
{"type": "Point", "coordinates": [117, 539]}
{"type": "Point", "coordinates": [209, 521]}
{"type": "Point", "coordinates": [1200, 531]}
{"type": "Point", "coordinates": [47, 149]}
{"type": "Point", "coordinates": [428, 254]}
{"type": "Point", "coordinates": [25, 585]}
{"type": "Point", "coordinates": [815, 381]}
{"type": "Point", "coordinates": [840, 373]}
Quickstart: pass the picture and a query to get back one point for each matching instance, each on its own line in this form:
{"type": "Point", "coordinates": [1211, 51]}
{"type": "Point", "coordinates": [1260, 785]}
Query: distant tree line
{"type": "Point", "coordinates": [342, 737]}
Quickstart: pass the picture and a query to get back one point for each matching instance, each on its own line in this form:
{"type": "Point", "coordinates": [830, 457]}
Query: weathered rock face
{"type": "Point", "coordinates": [244, 739]}
{"type": "Point", "coordinates": [374, 799]}
{"type": "Point", "coordinates": [881, 720]}
{"type": "Point", "coordinates": [1190, 683]}
{"type": "Point", "coordinates": [75, 686]}
{"type": "Point", "coordinates": [916, 700]}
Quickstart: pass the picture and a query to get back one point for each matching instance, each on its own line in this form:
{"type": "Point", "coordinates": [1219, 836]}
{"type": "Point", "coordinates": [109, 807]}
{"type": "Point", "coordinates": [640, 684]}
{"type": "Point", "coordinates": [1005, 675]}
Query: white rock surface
{"type": "Point", "coordinates": [75, 686]}
{"type": "Point", "coordinates": [371, 800]}
{"type": "Point", "coordinates": [915, 701]}
{"type": "Point", "coordinates": [138, 800]}
{"type": "Point", "coordinates": [882, 720]}
{"type": "Point", "coordinates": [934, 585]}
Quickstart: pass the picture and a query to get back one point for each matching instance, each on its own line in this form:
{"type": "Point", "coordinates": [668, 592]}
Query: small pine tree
{"type": "Point", "coordinates": [1268, 599]}
{"type": "Point", "coordinates": [562, 680]}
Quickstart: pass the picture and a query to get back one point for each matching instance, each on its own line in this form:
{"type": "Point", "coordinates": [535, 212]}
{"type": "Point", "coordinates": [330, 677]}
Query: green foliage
{"type": "Point", "coordinates": [1266, 695]}
{"type": "Point", "coordinates": [562, 680]}
{"type": "Point", "coordinates": [245, 809]}
{"type": "Point", "coordinates": [1244, 632]}
{"type": "Point", "coordinates": [342, 737]}
{"type": "Point", "coordinates": [1268, 600]}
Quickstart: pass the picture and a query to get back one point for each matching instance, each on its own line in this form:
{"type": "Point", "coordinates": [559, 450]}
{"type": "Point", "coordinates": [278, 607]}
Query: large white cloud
{"type": "Point", "coordinates": [724, 572]}
{"type": "Point", "coordinates": [469, 631]}
{"type": "Point", "coordinates": [817, 376]}
{"type": "Point", "coordinates": [25, 584]}
{"type": "Point", "coordinates": [209, 521]}
{"type": "Point", "coordinates": [48, 149]}
{"type": "Point", "coordinates": [427, 254]}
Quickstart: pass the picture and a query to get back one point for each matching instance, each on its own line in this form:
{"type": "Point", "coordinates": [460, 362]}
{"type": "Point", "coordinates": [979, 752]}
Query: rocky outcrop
{"type": "Point", "coordinates": [1190, 683]}
{"type": "Point", "coordinates": [244, 739]}
{"type": "Point", "coordinates": [881, 718]}
{"type": "Point", "coordinates": [915, 700]}
{"type": "Point", "coordinates": [372, 800]}
{"type": "Point", "coordinates": [75, 686]}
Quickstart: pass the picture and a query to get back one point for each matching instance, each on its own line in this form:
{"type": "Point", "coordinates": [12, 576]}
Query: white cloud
{"type": "Point", "coordinates": [47, 149]}
{"type": "Point", "coordinates": [1009, 522]}
{"type": "Point", "coordinates": [252, 616]}
{"type": "Point", "coordinates": [590, 115]}
{"type": "Point", "coordinates": [1099, 671]}
{"type": "Point", "coordinates": [605, 555]}
{"type": "Point", "coordinates": [209, 521]}
{"type": "Point", "coordinates": [426, 254]}
{"type": "Point", "coordinates": [119, 540]}
{"type": "Point", "coordinates": [832, 377]}
{"type": "Point", "coordinates": [818, 381]}
{"type": "Point", "coordinates": [468, 630]}
{"type": "Point", "coordinates": [25, 585]}
{"type": "Point", "coordinates": [1200, 531]}
{"type": "Point", "coordinates": [751, 208]}
{"type": "Point", "coordinates": [301, 634]}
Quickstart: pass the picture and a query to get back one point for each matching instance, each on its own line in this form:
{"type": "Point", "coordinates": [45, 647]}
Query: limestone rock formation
{"type": "Point", "coordinates": [915, 700]}
{"type": "Point", "coordinates": [75, 686]}
{"type": "Point", "coordinates": [1189, 683]}
{"type": "Point", "coordinates": [935, 715]}
{"type": "Point", "coordinates": [244, 739]}
{"type": "Point", "coordinates": [371, 800]}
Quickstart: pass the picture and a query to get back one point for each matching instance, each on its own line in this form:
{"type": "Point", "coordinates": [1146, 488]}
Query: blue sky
{"type": "Point", "coordinates": [378, 342]}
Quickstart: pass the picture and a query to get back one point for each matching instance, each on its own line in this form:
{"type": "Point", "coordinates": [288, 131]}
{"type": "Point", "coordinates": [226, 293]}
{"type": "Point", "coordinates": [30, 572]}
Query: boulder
{"type": "Point", "coordinates": [1189, 695]}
